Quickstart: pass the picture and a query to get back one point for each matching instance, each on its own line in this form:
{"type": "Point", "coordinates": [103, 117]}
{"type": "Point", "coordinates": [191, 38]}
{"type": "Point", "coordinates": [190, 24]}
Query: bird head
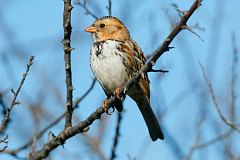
{"type": "Point", "coordinates": [108, 28]}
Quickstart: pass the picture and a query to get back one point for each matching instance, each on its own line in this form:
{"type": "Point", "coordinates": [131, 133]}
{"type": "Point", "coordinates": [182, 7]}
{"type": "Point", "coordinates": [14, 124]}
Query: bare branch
{"type": "Point", "coordinates": [227, 122]}
{"type": "Point", "coordinates": [233, 78]}
{"type": "Point", "coordinates": [158, 70]}
{"type": "Point", "coordinates": [197, 139]}
{"type": "Point", "coordinates": [181, 12]}
{"type": "Point", "coordinates": [198, 27]}
{"type": "Point", "coordinates": [15, 94]}
{"type": "Point", "coordinates": [84, 6]}
{"type": "Point", "coordinates": [78, 100]}
{"type": "Point", "coordinates": [214, 140]}
{"type": "Point", "coordinates": [189, 28]}
{"type": "Point", "coordinates": [109, 7]}
{"type": "Point", "coordinates": [79, 128]}
{"type": "Point", "coordinates": [4, 107]}
{"type": "Point", "coordinates": [5, 142]}
{"type": "Point", "coordinates": [67, 59]}
{"type": "Point", "coordinates": [116, 137]}
{"type": "Point", "coordinates": [95, 145]}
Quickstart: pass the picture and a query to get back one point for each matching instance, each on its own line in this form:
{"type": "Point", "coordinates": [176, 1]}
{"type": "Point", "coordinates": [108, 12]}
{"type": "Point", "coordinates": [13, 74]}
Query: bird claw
{"type": "Point", "coordinates": [104, 105]}
{"type": "Point", "coordinates": [117, 92]}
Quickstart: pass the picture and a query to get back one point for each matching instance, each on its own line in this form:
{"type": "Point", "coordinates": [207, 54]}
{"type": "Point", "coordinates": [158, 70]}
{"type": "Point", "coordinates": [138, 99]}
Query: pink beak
{"type": "Point", "coordinates": [90, 29]}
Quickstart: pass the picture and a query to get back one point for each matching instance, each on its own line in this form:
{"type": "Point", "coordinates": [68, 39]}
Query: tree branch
{"type": "Point", "coordinates": [79, 128]}
{"type": "Point", "coordinates": [116, 137]}
{"type": "Point", "coordinates": [214, 140]}
{"type": "Point", "coordinates": [233, 78]}
{"type": "Point", "coordinates": [4, 107]}
{"type": "Point", "coordinates": [15, 94]}
{"type": "Point", "coordinates": [67, 59]}
{"type": "Point", "coordinates": [197, 139]}
{"type": "Point", "coordinates": [84, 6]}
{"type": "Point", "coordinates": [109, 7]}
{"type": "Point", "coordinates": [226, 121]}
{"type": "Point", "coordinates": [4, 141]}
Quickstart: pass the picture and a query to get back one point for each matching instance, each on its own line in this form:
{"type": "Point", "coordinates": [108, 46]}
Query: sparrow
{"type": "Point", "coordinates": [114, 58]}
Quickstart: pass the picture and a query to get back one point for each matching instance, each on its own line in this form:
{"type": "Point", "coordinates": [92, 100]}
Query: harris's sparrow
{"type": "Point", "coordinates": [115, 57]}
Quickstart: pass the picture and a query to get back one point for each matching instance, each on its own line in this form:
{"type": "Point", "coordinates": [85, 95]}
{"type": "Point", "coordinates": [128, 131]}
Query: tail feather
{"type": "Point", "coordinates": [139, 96]}
{"type": "Point", "coordinates": [151, 121]}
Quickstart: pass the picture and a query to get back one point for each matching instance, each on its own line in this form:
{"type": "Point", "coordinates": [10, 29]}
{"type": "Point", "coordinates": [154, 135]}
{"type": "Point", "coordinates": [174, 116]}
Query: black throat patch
{"type": "Point", "coordinates": [98, 47]}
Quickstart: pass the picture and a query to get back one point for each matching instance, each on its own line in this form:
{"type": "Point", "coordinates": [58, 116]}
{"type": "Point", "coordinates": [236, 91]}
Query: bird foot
{"type": "Point", "coordinates": [104, 106]}
{"type": "Point", "coordinates": [117, 92]}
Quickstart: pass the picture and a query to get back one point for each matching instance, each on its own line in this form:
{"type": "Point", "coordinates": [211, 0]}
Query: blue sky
{"type": "Point", "coordinates": [36, 29]}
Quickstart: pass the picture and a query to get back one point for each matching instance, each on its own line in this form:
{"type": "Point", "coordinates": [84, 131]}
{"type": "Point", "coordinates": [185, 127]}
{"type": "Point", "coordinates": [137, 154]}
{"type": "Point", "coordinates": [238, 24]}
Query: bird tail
{"type": "Point", "coordinates": [150, 120]}
{"type": "Point", "coordinates": [143, 102]}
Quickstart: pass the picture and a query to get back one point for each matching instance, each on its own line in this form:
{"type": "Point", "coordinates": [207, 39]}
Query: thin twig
{"type": "Point", "coordinates": [15, 94]}
{"type": "Point", "coordinates": [78, 100]}
{"type": "Point", "coordinates": [4, 107]}
{"type": "Point", "coordinates": [95, 145]}
{"type": "Point", "coordinates": [116, 137]}
{"type": "Point", "coordinates": [67, 59]}
{"type": "Point", "coordinates": [5, 142]}
{"type": "Point", "coordinates": [84, 6]}
{"type": "Point", "coordinates": [233, 78]}
{"type": "Point", "coordinates": [181, 96]}
{"type": "Point", "coordinates": [109, 7]}
{"type": "Point", "coordinates": [181, 13]}
{"type": "Point", "coordinates": [94, 142]}
{"type": "Point", "coordinates": [226, 121]}
{"type": "Point", "coordinates": [79, 128]}
{"type": "Point", "coordinates": [159, 70]}
{"type": "Point", "coordinates": [214, 140]}
{"type": "Point", "coordinates": [189, 28]}
{"type": "Point", "coordinates": [197, 139]}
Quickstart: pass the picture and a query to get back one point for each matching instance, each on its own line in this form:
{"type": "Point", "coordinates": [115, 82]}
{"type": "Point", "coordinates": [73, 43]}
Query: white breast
{"type": "Point", "coordinates": [107, 65]}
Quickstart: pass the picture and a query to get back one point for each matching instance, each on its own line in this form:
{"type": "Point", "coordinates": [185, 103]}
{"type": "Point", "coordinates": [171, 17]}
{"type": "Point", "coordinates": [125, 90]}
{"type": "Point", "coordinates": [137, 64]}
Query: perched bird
{"type": "Point", "coordinates": [115, 57]}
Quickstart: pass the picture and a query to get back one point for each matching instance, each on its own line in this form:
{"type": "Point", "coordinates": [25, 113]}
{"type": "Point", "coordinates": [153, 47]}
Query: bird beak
{"type": "Point", "coordinates": [90, 29]}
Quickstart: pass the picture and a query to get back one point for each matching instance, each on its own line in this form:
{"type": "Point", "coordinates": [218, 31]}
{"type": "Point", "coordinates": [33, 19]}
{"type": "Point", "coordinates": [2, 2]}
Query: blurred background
{"type": "Point", "coordinates": [180, 98]}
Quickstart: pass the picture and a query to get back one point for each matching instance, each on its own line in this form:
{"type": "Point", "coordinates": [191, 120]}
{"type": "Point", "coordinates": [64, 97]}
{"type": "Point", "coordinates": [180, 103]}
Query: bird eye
{"type": "Point", "coordinates": [102, 25]}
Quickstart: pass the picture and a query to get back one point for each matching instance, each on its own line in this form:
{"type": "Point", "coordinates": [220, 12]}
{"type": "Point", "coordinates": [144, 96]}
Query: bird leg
{"type": "Point", "coordinates": [117, 92]}
{"type": "Point", "coordinates": [104, 106]}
